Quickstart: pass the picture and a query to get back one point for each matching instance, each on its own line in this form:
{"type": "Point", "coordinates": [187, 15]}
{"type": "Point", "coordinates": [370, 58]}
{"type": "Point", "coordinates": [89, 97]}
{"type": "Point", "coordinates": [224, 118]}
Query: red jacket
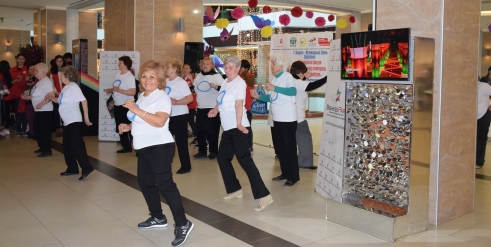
{"type": "Point", "coordinates": [57, 83]}
{"type": "Point", "coordinates": [18, 88]}
{"type": "Point", "coordinates": [193, 104]}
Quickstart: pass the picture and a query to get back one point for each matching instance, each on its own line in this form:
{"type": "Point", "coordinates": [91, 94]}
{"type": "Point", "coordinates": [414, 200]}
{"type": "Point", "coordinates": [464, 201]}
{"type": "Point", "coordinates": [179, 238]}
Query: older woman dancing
{"type": "Point", "coordinates": [282, 93]}
{"type": "Point", "coordinates": [156, 148]}
{"type": "Point", "coordinates": [231, 101]}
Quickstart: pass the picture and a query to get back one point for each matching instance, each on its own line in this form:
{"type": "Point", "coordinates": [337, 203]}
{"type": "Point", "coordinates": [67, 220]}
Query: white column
{"type": "Point", "coordinates": [71, 27]}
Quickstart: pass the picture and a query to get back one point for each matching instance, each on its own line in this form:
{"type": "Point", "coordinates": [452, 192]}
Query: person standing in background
{"type": "Point", "coordinates": [54, 75]}
{"type": "Point", "coordinates": [483, 120]}
{"type": "Point", "coordinates": [19, 73]}
{"type": "Point", "coordinates": [31, 82]}
{"type": "Point", "coordinates": [7, 85]}
{"type": "Point", "coordinates": [250, 82]}
{"type": "Point", "coordinates": [189, 78]}
{"type": "Point", "coordinates": [67, 58]}
{"type": "Point", "coordinates": [124, 88]}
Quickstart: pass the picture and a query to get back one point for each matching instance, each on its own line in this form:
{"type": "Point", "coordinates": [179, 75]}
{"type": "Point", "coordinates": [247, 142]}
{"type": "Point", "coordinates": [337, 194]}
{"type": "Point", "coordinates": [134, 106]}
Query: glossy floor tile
{"type": "Point", "coordinates": [40, 208]}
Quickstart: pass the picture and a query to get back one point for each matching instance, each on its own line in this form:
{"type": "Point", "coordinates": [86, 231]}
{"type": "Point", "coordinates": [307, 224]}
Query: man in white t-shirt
{"type": "Point", "coordinates": [124, 88]}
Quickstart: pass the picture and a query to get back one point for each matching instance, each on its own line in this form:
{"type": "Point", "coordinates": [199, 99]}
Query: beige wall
{"type": "Point", "coordinates": [452, 162]}
{"type": "Point", "coordinates": [16, 38]}
{"type": "Point", "coordinates": [37, 27]}
{"type": "Point", "coordinates": [87, 29]}
{"type": "Point", "coordinates": [155, 27]}
{"type": "Point", "coordinates": [55, 24]}
{"type": "Point", "coordinates": [366, 19]}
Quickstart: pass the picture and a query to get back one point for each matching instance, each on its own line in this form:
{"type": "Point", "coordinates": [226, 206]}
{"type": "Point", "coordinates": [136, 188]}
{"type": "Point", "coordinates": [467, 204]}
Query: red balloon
{"type": "Point", "coordinates": [267, 9]}
{"type": "Point", "coordinates": [296, 11]}
{"type": "Point", "coordinates": [284, 20]}
{"type": "Point", "coordinates": [309, 14]}
{"type": "Point", "coordinates": [252, 3]}
{"type": "Point", "coordinates": [352, 19]}
{"type": "Point", "coordinates": [330, 18]}
{"type": "Point", "coordinates": [320, 21]}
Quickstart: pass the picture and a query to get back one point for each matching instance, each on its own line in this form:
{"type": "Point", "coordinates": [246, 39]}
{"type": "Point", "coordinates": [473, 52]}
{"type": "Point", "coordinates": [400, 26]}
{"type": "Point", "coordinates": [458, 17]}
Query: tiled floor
{"type": "Point", "coordinates": [40, 208]}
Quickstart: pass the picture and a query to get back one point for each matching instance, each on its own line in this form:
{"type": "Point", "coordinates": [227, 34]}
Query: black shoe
{"type": "Point", "coordinates": [182, 171]}
{"type": "Point", "coordinates": [194, 142]}
{"type": "Point", "coordinates": [289, 183]}
{"type": "Point", "coordinates": [122, 151]}
{"type": "Point", "coordinates": [199, 156]}
{"type": "Point", "coordinates": [182, 233]}
{"type": "Point", "coordinates": [212, 156]}
{"type": "Point", "coordinates": [309, 168]}
{"type": "Point", "coordinates": [31, 137]}
{"type": "Point", "coordinates": [279, 178]}
{"type": "Point", "coordinates": [85, 174]}
{"type": "Point", "coordinates": [38, 151]}
{"type": "Point", "coordinates": [45, 154]}
{"type": "Point", "coordinates": [153, 222]}
{"type": "Point", "coordinates": [68, 173]}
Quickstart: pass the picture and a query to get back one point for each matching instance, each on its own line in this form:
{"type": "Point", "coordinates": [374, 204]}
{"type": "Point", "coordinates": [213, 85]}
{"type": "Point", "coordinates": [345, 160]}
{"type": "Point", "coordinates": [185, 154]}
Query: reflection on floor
{"type": "Point", "coordinates": [40, 208]}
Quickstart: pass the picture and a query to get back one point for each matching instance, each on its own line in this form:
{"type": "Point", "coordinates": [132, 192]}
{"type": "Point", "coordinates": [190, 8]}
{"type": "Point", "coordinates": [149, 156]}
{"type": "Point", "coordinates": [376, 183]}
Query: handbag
{"type": "Point", "coordinates": [259, 107]}
{"type": "Point", "coordinates": [110, 102]}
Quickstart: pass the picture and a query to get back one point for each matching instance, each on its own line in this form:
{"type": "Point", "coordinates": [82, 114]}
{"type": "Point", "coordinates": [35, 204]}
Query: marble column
{"type": "Point", "coordinates": [53, 23]}
{"type": "Point", "coordinates": [454, 24]}
{"type": "Point", "coordinates": [87, 29]}
{"type": "Point", "coordinates": [151, 27]}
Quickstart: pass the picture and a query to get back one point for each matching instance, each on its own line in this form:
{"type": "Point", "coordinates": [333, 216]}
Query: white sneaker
{"type": "Point", "coordinates": [478, 167]}
{"type": "Point", "coordinates": [5, 132]}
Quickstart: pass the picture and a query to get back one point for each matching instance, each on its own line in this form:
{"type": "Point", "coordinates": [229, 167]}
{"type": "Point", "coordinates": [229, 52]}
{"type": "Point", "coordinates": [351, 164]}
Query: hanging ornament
{"type": "Point", "coordinates": [296, 11]}
{"type": "Point", "coordinates": [252, 3]}
{"type": "Point", "coordinates": [352, 19]}
{"type": "Point", "coordinates": [267, 31]}
{"type": "Point", "coordinates": [225, 34]}
{"type": "Point", "coordinates": [221, 23]}
{"type": "Point", "coordinates": [309, 14]}
{"type": "Point", "coordinates": [320, 21]}
{"type": "Point", "coordinates": [342, 23]}
{"type": "Point", "coordinates": [267, 9]}
{"type": "Point", "coordinates": [284, 20]}
{"type": "Point", "coordinates": [237, 13]}
{"type": "Point", "coordinates": [330, 18]}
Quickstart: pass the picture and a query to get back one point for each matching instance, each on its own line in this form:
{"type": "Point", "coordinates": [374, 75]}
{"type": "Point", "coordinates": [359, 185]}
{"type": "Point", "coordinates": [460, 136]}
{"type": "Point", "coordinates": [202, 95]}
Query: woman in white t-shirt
{"type": "Point", "coordinates": [231, 105]}
{"type": "Point", "coordinates": [283, 109]}
{"type": "Point", "coordinates": [69, 100]}
{"type": "Point", "coordinates": [43, 110]}
{"type": "Point", "coordinates": [180, 95]}
{"type": "Point", "coordinates": [156, 148]}
{"type": "Point", "coordinates": [206, 85]}
{"type": "Point", "coordinates": [124, 88]}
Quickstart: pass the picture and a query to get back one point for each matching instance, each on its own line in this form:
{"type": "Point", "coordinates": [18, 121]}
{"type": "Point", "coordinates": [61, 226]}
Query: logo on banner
{"type": "Point", "coordinates": [324, 42]}
{"type": "Point", "coordinates": [293, 42]}
{"type": "Point", "coordinates": [312, 42]}
{"type": "Point", "coordinates": [281, 41]}
{"type": "Point", "coordinates": [338, 96]}
{"type": "Point", "coordinates": [302, 41]}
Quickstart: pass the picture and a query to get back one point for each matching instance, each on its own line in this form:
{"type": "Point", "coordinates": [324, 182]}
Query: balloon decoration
{"type": "Point", "coordinates": [209, 16]}
{"type": "Point", "coordinates": [330, 18]}
{"type": "Point", "coordinates": [342, 23]}
{"type": "Point", "coordinates": [309, 14]}
{"type": "Point", "coordinates": [320, 21]}
{"type": "Point", "coordinates": [284, 20]}
{"type": "Point", "coordinates": [267, 9]}
{"type": "Point", "coordinates": [267, 31]}
{"type": "Point", "coordinates": [296, 12]}
{"type": "Point", "coordinates": [237, 13]}
{"type": "Point", "coordinates": [221, 23]}
{"type": "Point", "coordinates": [261, 22]}
{"type": "Point", "coordinates": [252, 3]}
{"type": "Point", "coordinates": [225, 34]}
{"type": "Point", "coordinates": [352, 19]}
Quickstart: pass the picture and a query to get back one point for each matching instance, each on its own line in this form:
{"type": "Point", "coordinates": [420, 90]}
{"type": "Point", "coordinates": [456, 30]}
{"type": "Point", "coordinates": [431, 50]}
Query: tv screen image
{"type": "Point", "coordinates": [375, 55]}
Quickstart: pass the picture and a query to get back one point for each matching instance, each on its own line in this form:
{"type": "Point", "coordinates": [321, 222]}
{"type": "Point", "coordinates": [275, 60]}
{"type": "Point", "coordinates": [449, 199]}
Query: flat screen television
{"type": "Point", "coordinates": [376, 55]}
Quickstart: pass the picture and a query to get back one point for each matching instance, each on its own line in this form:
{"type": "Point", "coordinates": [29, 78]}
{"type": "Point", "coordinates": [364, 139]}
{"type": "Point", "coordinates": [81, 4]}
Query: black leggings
{"type": "Point", "coordinates": [120, 117]}
{"type": "Point", "coordinates": [179, 129]}
{"type": "Point", "coordinates": [207, 129]}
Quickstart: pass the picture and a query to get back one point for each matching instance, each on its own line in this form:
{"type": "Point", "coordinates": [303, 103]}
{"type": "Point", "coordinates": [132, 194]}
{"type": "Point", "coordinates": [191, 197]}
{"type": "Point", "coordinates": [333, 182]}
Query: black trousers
{"type": "Point", "coordinates": [120, 117]}
{"type": "Point", "coordinates": [233, 143]}
{"type": "Point", "coordinates": [74, 148]}
{"type": "Point", "coordinates": [42, 128]}
{"type": "Point", "coordinates": [179, 128]}
{"type": "Point", "coordinates": [191, 121]}
{"type": "Point", "coordinates": [286, 143]}
{"type": "Point", "coordinates": [154, 176]}
{"type": "Point", "coordinates": [20, 118]}
{"type": "Point", "coordinates": [249, 117]}
{"type": "Point", "coordinates": [482, 137]}
{"type": "Point", "coordinates": [56, 124]}
{"type": "Point", "coordinates": [274, 142]}
{"type": "Point", "coordinates": [207, 129]}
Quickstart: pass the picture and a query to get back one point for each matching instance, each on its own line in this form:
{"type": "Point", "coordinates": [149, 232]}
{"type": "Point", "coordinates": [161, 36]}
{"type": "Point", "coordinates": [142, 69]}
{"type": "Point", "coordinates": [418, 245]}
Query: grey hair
{"type": "Point", "coordinates": [234, 60]}
{"type": "Point", "coordinates": [280, 59]}
{"type": "Point", "coordinates": [43, 67]}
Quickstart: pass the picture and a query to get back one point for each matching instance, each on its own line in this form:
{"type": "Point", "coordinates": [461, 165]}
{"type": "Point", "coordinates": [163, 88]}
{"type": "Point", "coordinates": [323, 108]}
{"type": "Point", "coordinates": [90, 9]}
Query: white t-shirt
{"type": "Point", "coordinates": [283, 107]}
{"type": "Point", "coordinates": [300, 99]}
{"type": "Point", "coordinates": [124, 82]}
{"type": "Point", "coordinates": [38, 93]}
{"type": "Point", "coordinates": [483, 93]}
{"type": "Point", "coordinates": [144, 134]}
{"type": "Point", "coordinates": [229, 93]}
{"type": "Point", "coordinates": [178, 89]}
{"type": "Point", "coordinates": [70, 97]}
{"type": "Point", "coordinates": [205, 95]}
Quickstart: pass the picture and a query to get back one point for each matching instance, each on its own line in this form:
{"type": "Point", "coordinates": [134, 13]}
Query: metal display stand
{"type": "Point", "coordinates": [385, 188]}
